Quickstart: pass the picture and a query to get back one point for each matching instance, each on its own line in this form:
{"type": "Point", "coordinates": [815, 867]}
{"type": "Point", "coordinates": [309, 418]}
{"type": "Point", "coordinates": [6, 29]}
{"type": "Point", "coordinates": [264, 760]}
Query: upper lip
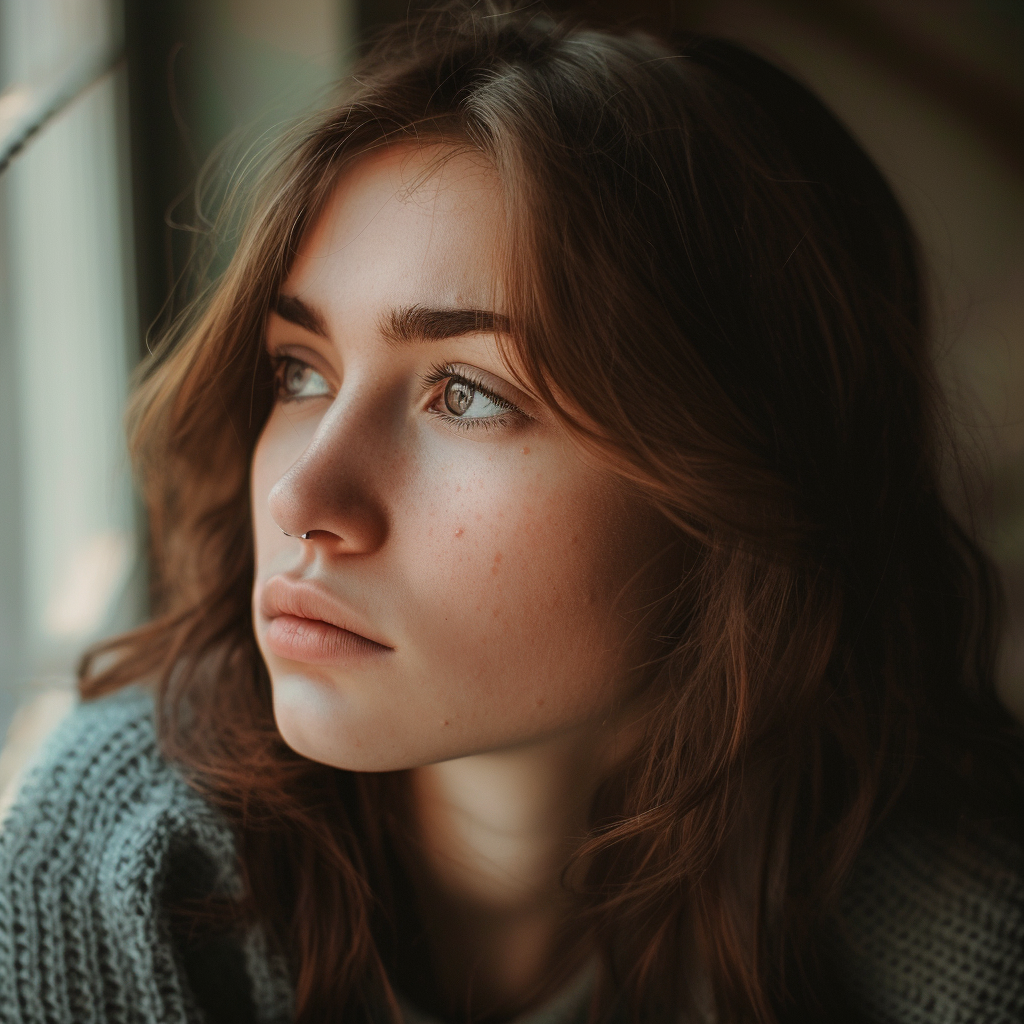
{"type": "Point", "coordinates": [311, 600]}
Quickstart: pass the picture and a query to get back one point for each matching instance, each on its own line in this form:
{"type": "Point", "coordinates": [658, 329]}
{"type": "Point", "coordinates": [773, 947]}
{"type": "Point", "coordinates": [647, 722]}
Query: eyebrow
{"type": "Point", "coordinates": [295, 311]}
{"type": "Point", "coordinates": [426, 323]}
{"type": "Point", "coordinates": [405, 325]}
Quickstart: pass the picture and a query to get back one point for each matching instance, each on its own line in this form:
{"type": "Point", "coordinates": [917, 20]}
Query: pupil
{"type": "Point", "coordinates": [295, 377]}
{"type": "Point", "coordinates": [458, 397]}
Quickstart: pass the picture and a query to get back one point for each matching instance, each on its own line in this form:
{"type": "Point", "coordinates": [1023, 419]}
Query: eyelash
{"type": "Point", "coordinates": [437, 374]}
{"type": "Point", "coordinates": [279, 365]}
{"type": "Point", "coordinates": [444, 372]}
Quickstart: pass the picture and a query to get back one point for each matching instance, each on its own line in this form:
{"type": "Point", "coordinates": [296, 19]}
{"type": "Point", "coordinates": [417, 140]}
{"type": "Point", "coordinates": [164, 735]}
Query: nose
{"type": "Point", "coordinates": [328, 496]}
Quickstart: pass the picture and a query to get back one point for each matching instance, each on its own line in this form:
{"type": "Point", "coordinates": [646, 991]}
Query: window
{"type": "Point", "coordinates": [67, 335]}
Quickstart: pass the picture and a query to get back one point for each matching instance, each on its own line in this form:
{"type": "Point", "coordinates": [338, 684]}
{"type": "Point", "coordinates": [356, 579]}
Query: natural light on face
{"type": "Point", "coordinates": [457, 578]}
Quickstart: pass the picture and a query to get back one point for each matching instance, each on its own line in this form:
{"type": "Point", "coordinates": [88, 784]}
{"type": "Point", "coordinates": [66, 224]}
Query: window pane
{"type": "Point", "coordinates": [67, 301]}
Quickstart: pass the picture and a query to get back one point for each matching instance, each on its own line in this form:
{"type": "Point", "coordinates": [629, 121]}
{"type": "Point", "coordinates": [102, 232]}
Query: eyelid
{"type": "Point", "coordinates": [302, 354]}
{"type": "Point", "coordinates": [278, 364]}
{"type": "Point", "coordinates": [439, 372]}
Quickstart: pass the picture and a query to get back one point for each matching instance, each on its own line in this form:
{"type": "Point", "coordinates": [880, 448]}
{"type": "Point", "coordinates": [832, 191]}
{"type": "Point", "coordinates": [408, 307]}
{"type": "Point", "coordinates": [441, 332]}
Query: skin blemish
{"type": "Point", "coordinates": [540, 702]}
{"type": "Point", "coordinates": [526, 451]}
{"type": "Point", "coordinates": [497, 562]}
{"type": "Point", "coordinates": [459, 532]}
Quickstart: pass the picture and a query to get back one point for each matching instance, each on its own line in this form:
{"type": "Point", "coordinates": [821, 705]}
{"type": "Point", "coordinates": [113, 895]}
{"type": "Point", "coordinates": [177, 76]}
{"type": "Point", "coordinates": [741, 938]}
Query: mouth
{"type": "Point", "coordinates": [308, 623]}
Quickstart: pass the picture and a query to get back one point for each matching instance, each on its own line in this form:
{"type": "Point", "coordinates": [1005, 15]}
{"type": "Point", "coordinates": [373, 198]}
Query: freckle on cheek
{"type": "Point", "coordinates": [526, 451]}
{"type": "Point", "coordinates": [459, 532]}
{"type": "Point", "coordinates": [497, 562]}
{"type": "Point", "coordinates": [540, 702]}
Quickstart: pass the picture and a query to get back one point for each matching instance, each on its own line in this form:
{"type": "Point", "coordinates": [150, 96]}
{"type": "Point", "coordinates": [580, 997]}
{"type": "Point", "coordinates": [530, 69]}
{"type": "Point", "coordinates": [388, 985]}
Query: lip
{"type": "Point", "coordinates": [308, 623]}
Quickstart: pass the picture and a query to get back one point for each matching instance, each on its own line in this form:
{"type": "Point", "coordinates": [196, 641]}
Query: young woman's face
{"type": "Point", "coordinates": [439, 570]}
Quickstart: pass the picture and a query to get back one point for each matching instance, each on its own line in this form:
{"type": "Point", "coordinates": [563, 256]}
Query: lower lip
{"type": "Point", "coordinates": [318, 642]}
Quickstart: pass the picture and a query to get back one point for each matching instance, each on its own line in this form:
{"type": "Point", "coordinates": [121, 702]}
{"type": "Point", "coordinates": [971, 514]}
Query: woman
{"type": "Point", "coordinates": [557, 613]}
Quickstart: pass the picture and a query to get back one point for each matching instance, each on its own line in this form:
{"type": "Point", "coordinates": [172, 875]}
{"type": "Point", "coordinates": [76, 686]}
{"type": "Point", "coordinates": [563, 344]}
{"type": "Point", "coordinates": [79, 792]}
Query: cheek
{"type": "Point", "coordinates": [515, 591]}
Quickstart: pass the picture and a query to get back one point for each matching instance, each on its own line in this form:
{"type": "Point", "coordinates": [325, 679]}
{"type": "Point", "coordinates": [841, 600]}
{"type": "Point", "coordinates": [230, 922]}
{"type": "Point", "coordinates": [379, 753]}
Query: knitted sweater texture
{"type": "Point", "coordinates": [105, 834]}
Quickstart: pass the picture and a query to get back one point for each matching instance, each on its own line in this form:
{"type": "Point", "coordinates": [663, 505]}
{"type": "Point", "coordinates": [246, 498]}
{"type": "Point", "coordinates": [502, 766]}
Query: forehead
{"type": "Point", "coordinates": [409, 224]}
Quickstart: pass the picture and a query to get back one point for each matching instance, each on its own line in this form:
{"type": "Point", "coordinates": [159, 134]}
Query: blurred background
{"type": "Point", "coordinates": [108, 110]}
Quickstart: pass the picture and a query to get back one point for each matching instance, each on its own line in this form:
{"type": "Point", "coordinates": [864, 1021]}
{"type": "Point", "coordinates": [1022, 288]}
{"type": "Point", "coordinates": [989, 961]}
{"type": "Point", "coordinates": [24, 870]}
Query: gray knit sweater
{"type": "Point", "coordinates": [105, 832]}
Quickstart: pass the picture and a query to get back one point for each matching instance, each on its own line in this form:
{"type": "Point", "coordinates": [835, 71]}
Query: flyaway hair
{"type": "Point", "coordinates": [717, 290]}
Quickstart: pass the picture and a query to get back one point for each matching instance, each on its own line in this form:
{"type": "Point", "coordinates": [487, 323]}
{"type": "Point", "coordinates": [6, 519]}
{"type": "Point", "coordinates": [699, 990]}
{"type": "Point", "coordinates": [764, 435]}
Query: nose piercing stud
{"type": "Point", "coordinates": [302, 536]}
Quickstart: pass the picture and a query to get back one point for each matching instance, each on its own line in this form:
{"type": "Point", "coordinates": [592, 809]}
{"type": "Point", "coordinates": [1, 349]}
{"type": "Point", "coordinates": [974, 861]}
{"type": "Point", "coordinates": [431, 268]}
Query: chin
{"type": "Point", "coordinates": [322, 723]}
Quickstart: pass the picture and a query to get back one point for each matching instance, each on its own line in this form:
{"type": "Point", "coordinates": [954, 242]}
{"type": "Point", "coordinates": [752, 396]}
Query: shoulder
{"type": "Point", "coordinates": [103, 829]}
{"type": "Point", "coordinates": [933, 925]}
{"type": "Point", "coordinates": [100, 795]}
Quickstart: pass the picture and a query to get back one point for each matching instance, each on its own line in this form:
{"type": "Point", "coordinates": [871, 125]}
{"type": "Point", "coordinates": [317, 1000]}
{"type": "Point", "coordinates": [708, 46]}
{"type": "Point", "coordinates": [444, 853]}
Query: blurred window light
{"type": "Point", "coordinates": [50, 50]}
{"type": "Point", "coordinates": [25, 108]}
{"type": "Point", "coordinates": [88, 585]}
{"type": "Point", "coordinates": [14, 105]}
{"type": "Point", "coordinates": [67, 339]}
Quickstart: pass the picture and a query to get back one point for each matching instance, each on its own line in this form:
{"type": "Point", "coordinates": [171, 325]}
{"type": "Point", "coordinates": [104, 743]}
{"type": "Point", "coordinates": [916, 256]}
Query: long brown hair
{"type": "Point", "coordinates": [724, 294]}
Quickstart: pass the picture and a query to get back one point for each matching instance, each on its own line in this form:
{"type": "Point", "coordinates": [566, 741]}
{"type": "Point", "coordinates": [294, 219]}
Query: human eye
{"type": "Point", "coordinates": [294, 379]}
{"type": "Point", "coordinates": [463, 401]}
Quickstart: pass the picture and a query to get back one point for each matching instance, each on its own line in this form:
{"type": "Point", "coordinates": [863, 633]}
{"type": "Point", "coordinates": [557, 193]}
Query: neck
{"type": "Point", "coordinates": [496, 831]}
